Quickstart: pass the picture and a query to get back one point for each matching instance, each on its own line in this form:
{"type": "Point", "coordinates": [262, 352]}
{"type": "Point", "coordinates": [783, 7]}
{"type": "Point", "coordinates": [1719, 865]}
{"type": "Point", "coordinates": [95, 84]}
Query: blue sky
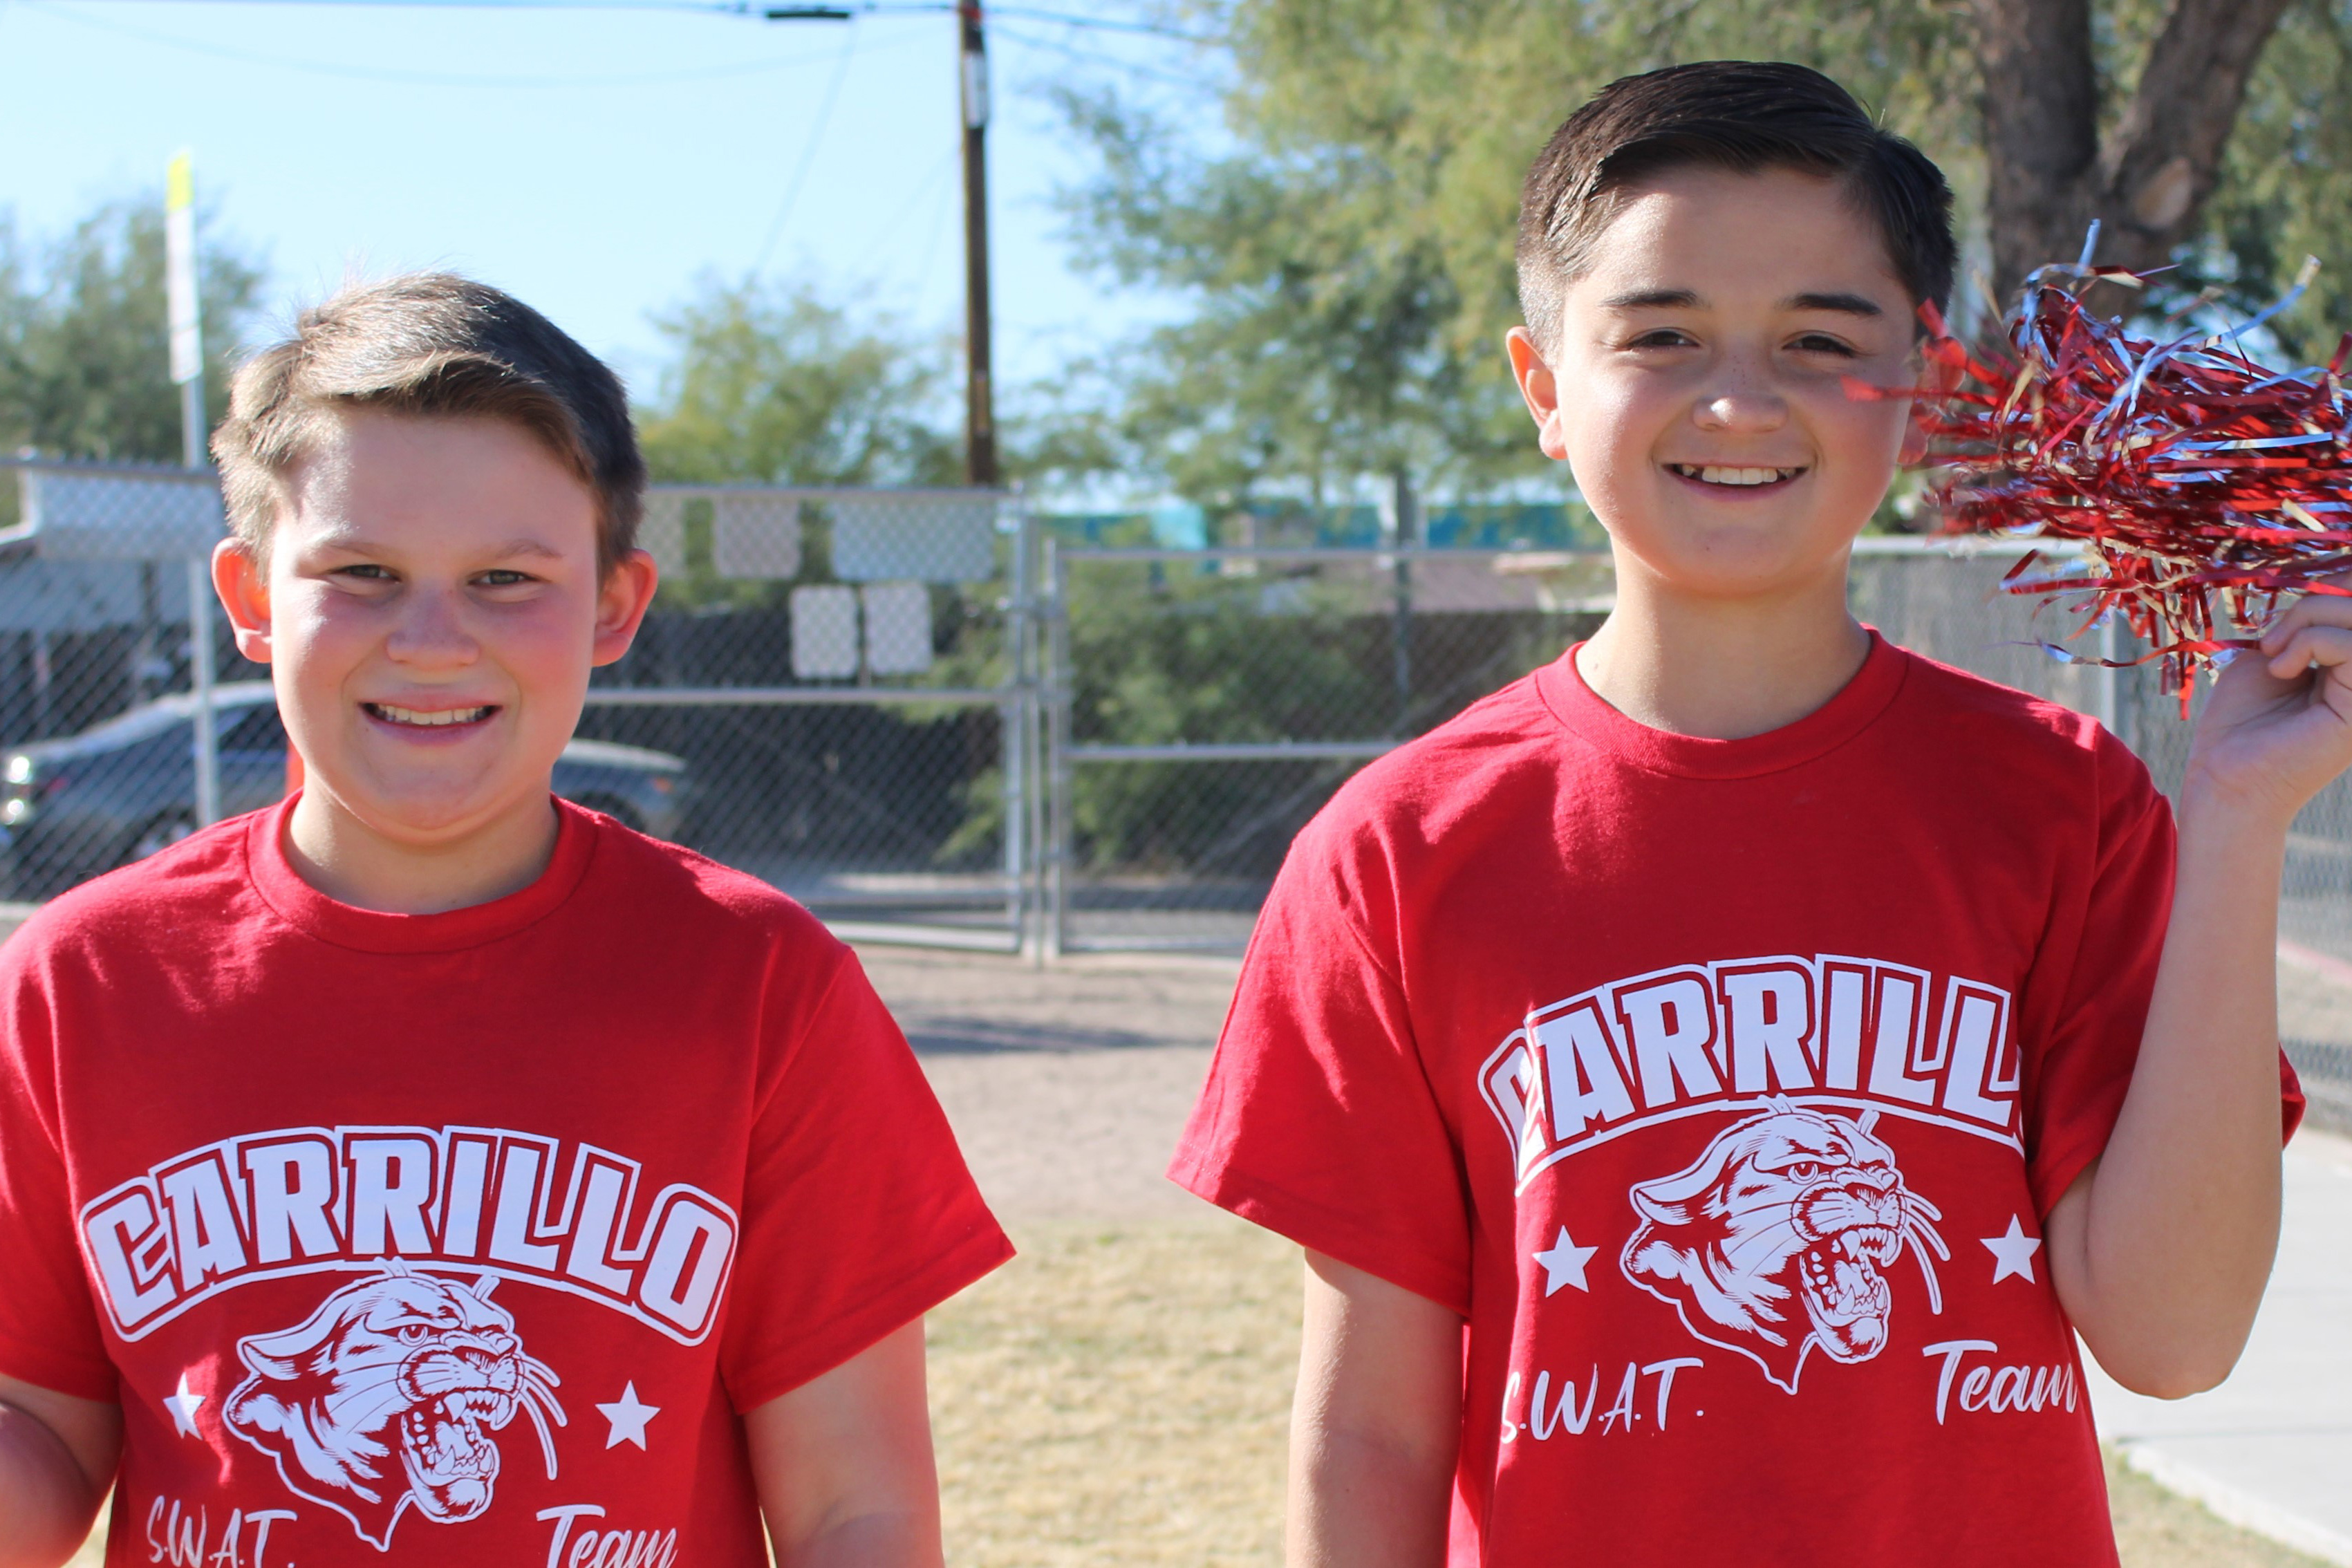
{"type": "Point", "coordinates": [595, 159]}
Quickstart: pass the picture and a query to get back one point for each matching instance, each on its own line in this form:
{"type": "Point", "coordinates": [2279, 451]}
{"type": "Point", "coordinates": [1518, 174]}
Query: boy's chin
{"type": "Point", "coordinates": [435, 811]}
{"type": "Point", "coordinates": [1740, 562]}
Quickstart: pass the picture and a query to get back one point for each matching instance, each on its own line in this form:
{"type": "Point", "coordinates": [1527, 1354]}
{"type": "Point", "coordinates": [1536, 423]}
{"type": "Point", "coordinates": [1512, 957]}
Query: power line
{"type": "Point", "coordinates": [699, 7]}
{"type": "Point", "coordinates": [914, 202]}
{"type": "Point", "coordinates": [808, 153]}
{"type": "Point", "coordinates": [1100, 24]}
{"type": "Point", "coordinates": [427, 78]}
{"type": "Point", "coordinates": [779, 11]}
{"type": "Point", "coordinates": [842, 8]}
{"type": "Point", "coordinates": [1095, 57]}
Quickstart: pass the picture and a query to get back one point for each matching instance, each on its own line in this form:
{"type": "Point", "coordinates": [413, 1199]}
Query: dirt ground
{"type": "Point", "coordinates": [1067, 1086]}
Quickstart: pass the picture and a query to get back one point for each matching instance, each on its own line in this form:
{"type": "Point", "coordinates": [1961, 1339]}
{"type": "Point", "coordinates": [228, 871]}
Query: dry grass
{"type": "Point", "coordinates": [2158, 1528]}
{"type": "Point", "coordinates": [1119, 1396]}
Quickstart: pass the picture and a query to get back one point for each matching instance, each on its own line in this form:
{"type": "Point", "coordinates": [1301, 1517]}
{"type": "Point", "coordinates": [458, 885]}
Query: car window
{"type": "Point", "coordinates": [258, 729]}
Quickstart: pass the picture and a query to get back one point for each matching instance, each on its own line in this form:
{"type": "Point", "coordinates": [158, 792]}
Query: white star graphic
{"type": "Point", "coordinates": [1564, 1264]}
{"type": "Point", "coordinates": [2013, 1253]}
{"type": "Point", "coordinates": [183, 1405]}
{"type": "Point", "coordinates": [628, 1418]}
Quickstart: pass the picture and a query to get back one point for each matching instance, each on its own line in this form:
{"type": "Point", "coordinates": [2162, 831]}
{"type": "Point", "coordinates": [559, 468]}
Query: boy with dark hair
{"type": "Point", "coordinates": [426, 1170]}
{"type": "Point", "coordinates": [1715, 1076]}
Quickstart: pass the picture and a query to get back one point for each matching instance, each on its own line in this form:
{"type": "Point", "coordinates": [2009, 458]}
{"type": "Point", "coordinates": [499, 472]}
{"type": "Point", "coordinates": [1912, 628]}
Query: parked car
{"type": "Point", "coordinates": [124, 789]}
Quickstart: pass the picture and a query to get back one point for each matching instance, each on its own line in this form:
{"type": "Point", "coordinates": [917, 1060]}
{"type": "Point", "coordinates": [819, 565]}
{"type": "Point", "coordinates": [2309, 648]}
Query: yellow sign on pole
{"type": "Point", "coordinates": [180, 269]}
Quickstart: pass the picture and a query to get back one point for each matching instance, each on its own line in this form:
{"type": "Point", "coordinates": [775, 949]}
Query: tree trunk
{"type": "Point", "coordinates": [2050, 175]}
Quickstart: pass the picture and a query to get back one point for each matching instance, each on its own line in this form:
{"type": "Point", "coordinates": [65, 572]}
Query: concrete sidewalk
{"type": "Point", "coordinates": [2271, 1449]}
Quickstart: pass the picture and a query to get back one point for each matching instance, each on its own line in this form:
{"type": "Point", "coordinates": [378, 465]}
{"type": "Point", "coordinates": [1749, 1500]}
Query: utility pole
{"type": "Point", "coordinates": [979, 399]}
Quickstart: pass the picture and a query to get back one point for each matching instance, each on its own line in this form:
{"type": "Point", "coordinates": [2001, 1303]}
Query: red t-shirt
{"type": "Point", "coordinates": [1722, 1086]}
{"type": "Point", "coordinates": [456, 1238]}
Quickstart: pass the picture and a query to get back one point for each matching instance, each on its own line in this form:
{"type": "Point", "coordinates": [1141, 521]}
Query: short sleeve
{"type": "Point", "coordinates": [49, 1333]}
{"type": "Point", "coordinates": [1318, 1120]}
{"type": "Point", "coordinates": [858, 1213]}
{"type": "Point", "coordinates": [2086, 1003]}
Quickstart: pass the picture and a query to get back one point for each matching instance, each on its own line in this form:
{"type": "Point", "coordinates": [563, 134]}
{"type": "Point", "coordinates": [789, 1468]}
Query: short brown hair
{"type": "Point", "coordinates": [429, 343]}
{"type": "Point", "coordinates": [1742, 115]}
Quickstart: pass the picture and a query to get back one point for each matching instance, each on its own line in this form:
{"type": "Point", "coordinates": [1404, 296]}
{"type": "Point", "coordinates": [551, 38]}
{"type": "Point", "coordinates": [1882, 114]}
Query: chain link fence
{"type": "Point", "coordinates": [110, 647]}
{"type": "Point", "coordinates": [1206, 703]}
{"type": "Point", "coordinates": [829, 693]}
{"type": "Point", "coordinates": [843, 676]}
{"type": "Point", "coordinates": [929, 719]}
{"type": "Point", "coordinates": [1201, 705]}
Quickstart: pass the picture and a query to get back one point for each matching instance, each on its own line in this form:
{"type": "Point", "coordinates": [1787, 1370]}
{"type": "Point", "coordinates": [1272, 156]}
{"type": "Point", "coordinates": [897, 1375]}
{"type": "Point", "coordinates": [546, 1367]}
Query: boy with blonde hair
{"type": "Point", "coordinates": [428, 1171]}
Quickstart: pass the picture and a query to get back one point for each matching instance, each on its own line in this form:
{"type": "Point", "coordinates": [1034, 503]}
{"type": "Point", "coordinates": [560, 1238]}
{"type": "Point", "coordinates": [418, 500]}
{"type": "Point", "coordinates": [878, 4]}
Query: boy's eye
{"type": "Point", "coordinates": [1661, 338]}
{"type": "Point", "coordinates": [1822, 343]}
{"type": "Point", "coordinates": [502, 578]}
{"type": "Point", "coordinates": [366, 572]}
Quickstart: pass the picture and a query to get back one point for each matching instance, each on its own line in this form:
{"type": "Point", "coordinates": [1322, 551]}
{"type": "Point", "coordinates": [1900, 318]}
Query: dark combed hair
{"type": "Point", "coordinates": [429, 343]}
{"type": "Point", "coordinates": [1741, 115]}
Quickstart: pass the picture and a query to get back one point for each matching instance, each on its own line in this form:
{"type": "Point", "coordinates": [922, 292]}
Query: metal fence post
{"type": "Point", "coordinates": [1033, 740]}
{"type": "Point", "coordinates": [1013, 731]}
{"type": "Point", "coordinates": [2107, 679]}
{"type": "Point", "coordinates": [1057, 696]}
{"type": "Point", "coordinates": [206, 750]}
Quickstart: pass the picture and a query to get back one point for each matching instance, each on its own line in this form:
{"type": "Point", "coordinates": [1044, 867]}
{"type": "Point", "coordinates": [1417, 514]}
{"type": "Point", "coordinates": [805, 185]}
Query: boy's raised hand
{"type": "Point", "coordinates": [2191, 1169]}
{"type": "Point", "coordinates": [2278, 726]}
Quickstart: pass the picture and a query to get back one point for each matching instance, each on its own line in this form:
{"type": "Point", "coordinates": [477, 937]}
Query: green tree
{"type": "Point", "coordinates": [777, 385]}
{"type": "Point", "coordinates": [85, 363]}
{"type": "Point", "coordinates": [1347, 257]}
{"type": "Point", "coordinates": [1320, 349]}
{"type": "Point", "coordinates": [2285, 189]}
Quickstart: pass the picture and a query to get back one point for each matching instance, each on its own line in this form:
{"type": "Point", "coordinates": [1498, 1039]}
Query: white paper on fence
{"type": "Point", "coordinates": [662, 532]}
{"type": "Point", "coordinates": [756, 537]}
{"type": "Point", "coordinates": [120, 517]}
{"type": "Point", "coordinates": [948, 537]}
{"type": "Point", "coordinates": [824, 633]}
{"type": "Point", "coordinates": [898, 627]}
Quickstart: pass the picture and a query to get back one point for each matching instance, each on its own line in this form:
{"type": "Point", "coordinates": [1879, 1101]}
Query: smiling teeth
{"type": "Point", "coordinates": [433, 719]}
{"type": "Point", "coordinates": [1712, 474]}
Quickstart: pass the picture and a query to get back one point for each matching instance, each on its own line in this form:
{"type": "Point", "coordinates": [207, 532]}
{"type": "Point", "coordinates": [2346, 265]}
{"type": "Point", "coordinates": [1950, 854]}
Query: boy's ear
{"type": "Point", "coordinates": [243, 584]}
{"type": "Point", "coordinates": [621, 604]}
{"type": "Point", "coordinates": [1540, 388]}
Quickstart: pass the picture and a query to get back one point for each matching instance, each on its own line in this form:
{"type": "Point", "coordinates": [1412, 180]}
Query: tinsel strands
{"type": "Point", "coordinates": [2201, 485]}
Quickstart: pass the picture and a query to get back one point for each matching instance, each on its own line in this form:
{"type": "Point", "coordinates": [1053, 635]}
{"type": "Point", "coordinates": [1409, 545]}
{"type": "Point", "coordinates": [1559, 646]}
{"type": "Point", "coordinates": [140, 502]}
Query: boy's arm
{"type": "Point", "coordinates": [844, 1464]}
{"type": "Point", "coordinates": [2161, 1250]}
{"type": "Point", "coordinates": [56, 1459]}
{"type": "Point", "coordinates": [1375, 1424]}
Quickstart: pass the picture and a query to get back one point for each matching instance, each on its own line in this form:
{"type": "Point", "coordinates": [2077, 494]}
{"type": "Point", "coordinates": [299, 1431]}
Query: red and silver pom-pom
{"type": "Point", "coordinates": [2200, 484]}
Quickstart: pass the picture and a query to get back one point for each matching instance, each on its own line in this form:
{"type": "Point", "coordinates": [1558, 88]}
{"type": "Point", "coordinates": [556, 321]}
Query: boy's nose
{"type": "Point", "coordinates": [1741, 411]}
{"type": "Point", "coordinates": [432, 634]}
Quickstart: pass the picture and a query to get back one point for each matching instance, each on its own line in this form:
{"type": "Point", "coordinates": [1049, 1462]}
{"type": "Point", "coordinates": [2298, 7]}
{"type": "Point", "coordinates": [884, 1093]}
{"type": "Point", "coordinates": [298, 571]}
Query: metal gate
{"type": "Point", "coordinates": [1202, 704]}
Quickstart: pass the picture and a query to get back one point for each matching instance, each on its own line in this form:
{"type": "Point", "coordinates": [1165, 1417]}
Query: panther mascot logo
{"type": "Point", "coordinates": [401, 1361]}
{"type": "Point", "coordinates": [1788, 1209]}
